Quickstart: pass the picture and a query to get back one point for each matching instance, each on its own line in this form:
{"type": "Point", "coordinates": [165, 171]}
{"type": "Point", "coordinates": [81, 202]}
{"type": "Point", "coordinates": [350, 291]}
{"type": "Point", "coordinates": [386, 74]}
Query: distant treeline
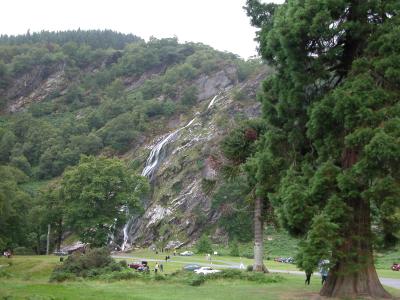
{"type": "Point", "coordinates": [96, 39]}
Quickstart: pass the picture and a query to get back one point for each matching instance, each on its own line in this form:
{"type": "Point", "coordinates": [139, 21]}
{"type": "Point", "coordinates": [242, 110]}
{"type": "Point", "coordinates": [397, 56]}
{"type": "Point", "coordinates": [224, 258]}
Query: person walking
{"type": "Point", "coordinates": [308, 277]}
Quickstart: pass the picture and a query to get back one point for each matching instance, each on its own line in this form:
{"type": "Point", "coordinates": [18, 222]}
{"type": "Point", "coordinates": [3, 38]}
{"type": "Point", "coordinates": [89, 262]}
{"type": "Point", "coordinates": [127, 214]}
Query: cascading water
{"type": "Point", "coordinates": [153, 161]}
{"type": "Point", "coordinates": [156, 153]}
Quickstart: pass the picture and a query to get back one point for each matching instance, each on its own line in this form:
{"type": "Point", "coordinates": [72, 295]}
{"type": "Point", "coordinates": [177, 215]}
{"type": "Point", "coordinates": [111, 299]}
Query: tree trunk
{"type": "Point", "coordinates": [354, 274]}
{"type": "Point", "coordinates": [258, 236]}
{"type": "Point", "coordinates": [59, 234]}
{"type": "Point", "coordinates": [48, 240]}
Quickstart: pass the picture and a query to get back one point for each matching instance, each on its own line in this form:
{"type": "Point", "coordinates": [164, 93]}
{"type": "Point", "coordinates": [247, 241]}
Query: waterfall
{"type": "Point", "coordinates": [153, 161]}
{"type": "Point", "coordinates": [212, 102]}
{"type": "Point", "coordinates": [125, 231]}
{"type": "Point", "coordinates": [156, 153]}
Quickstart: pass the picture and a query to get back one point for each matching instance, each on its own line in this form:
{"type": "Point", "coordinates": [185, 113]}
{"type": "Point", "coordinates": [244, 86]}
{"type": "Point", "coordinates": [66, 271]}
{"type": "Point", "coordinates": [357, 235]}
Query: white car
{"type": "Point", "coordinates": [206, 270]}
{"type": "Point", "coordinates": [186, 253]}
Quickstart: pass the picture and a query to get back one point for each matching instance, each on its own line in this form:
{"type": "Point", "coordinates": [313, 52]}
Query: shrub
{"type": "Point", "coordinates": [234, 248]}
{"type": "Point", "coordinates": [92, 264]}
{"type": "Point", "coordinates": [250, 276]}
{"type": "Point", "coordinates": [23, 251]}
{"type": "Point", "coordinates": [121, 275]}
{"type": "Point", "coordinates": [123, 263]}
{"type": "Point", "coordinates": [196, 280]}
{"type": "Point", "coordinates": [204, 245]}
{"type": "Point", "coordinates": [249, 268]}
{"type": "Point", "coordinates": [59, 276]}
{"type": "Point", "coordinates": [159, 277]}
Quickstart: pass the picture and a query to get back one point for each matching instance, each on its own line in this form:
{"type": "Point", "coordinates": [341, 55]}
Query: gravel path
{"type": "Point", "coordinates": [394, 283]}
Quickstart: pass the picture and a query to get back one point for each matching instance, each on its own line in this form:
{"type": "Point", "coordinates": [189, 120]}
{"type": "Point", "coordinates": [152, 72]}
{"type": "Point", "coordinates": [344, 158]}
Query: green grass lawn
{"type": "Point", "coordinates": [220, 259]}
{"type": "Point", "coordinates": [27, 278]}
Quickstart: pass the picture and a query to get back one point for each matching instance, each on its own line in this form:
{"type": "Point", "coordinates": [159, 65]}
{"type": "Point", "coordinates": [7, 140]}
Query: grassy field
{"type": "Point", "coordinates": [27, 278]}
{"type": "Point", "coordinates": [382, 269]}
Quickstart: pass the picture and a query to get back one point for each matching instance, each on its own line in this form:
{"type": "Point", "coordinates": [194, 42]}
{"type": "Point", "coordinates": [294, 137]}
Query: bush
{"type": "Point", "coordinates": [250, 276]}
{"type": "Point", "coordinates": [94, 263]}
{"type": "Point", "coordinates": [249, 268]}
{"type": "Point", "coordinates": [159, 277]}
{"type": "Point", "coordinates": [60, 276]}
{"type": "Point", "coordinates": [123, 263]}
{"type": "Point", "coordinates": [204, 245]}
{"type": "Point", "coordinates": [234, 248]}
{"type": "Point", "coordinates": [196, 280]}
{"type": "Point", "coordinates": [121, 275]}
{"type": "Point", "coordinates": [23, 251]}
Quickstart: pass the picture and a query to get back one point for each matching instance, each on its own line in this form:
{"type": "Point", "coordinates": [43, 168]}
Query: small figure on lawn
{"type": "Point", "coordinates": [308, 277]}
{"type": "Point", "coordinates": [156, 268]}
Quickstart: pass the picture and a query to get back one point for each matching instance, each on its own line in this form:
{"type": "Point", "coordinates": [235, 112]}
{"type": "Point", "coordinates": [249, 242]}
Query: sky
{"type": "Point", "coordinates": [222, 24]}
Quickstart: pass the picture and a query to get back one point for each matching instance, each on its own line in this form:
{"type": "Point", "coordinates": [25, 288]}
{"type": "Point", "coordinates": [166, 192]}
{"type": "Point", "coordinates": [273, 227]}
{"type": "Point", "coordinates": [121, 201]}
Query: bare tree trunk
{"type": "Point", "coordinates": [258, 236]}
{"type": "Point", "coordinates": [59, 234]}
{"type": "Point", "coordinates": [48, 240]}
{"type": "Point", "coordinates": [354, 275]}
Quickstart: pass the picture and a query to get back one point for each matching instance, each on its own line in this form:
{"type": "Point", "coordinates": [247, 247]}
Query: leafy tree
{"type": "Point", "coordinates": [332, 112]}
{"type": "Point", "coordinates": [234, 248]}
{"type": "Point", "coordinates": [7, 143]}
{"type": "Point", "coordinates": [14, 206]}
{"type": "Point", "coordinates": [121, 131]}
{"type": "Point", "coordinates": [203, 245]}
{"type": "Point", "coordinates": [189, 96]}
{"type": "Point", "coordinates": [21, 163]}
{"type": "Point", "coordinates": [96, 193]}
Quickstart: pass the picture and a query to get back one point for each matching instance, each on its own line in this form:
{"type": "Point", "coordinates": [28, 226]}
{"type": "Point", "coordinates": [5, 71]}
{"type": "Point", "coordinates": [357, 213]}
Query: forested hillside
{"type": "Point", "coordinates": [92, 93]}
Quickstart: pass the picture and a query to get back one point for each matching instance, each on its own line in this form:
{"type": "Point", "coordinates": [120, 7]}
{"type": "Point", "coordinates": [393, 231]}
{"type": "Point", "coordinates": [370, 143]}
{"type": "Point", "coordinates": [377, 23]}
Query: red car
{"type": "Point", "coordinates": [396, 267]}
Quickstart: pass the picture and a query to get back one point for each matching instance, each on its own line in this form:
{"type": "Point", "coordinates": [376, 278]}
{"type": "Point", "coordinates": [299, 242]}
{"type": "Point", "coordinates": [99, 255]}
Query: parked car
{"type": "Point", "coordinates": [186, 253]}
{"type": "Point", "coordinates": [191, 267]}
{"type": "Point", "coordinates": [60, 253]}
{"type": "Point", "coordinates": [138, 265]}
{"type": "Point", "coordinates": [206, 271]}
{"type": "Point", "coordinates": [288, 260]}
{"type": "Point", "coordinates": [396, 267]}
{"type": "Point", "coordinates": [135, 266]}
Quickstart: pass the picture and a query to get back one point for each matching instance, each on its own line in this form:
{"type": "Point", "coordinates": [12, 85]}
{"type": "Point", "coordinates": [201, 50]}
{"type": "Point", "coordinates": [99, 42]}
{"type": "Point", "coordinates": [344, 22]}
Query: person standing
{"type": "Point", "coordinates": [156, 268]}
{"type": "Point", "coordinates": [308, 277]}
{"type": "Point", "coordinates": [324, 273]}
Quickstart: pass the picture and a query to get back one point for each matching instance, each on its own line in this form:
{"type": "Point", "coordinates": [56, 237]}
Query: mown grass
{"type": "Point", "coordinates": [28, 278]}
{"type": "Point", "coordinates": [383, 269]}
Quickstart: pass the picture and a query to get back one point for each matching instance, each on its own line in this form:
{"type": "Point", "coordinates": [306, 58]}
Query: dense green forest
{"type": "Point", "coordinates": [115, 90]}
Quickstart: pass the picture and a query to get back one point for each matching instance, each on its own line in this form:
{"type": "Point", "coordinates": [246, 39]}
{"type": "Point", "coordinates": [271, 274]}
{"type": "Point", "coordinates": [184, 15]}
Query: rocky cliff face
{"type": "Point", "coordinates": [180, 206]}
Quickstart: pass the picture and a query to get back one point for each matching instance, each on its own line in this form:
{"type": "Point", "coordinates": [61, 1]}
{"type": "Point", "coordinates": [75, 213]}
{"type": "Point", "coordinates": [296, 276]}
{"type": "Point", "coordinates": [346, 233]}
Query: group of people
{"type": "Point", "coordinates": [158, 267]}
{"type": "Point", "coordinates": [7, 253]}
{"type": "Point", "coordinates": [323, 270]}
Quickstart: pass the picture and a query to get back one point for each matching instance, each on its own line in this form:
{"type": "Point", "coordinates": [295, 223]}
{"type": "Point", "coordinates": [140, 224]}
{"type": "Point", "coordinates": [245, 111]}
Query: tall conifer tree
{"type": "Point", "coordinates": [333, 136]}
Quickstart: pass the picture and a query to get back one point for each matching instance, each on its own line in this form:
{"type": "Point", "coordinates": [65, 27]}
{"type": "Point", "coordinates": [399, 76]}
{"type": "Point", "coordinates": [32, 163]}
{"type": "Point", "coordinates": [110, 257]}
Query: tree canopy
{"type": "Point", "coordinates": [333, 139]}
{"type": "Point", "coordinates": [97, 193]}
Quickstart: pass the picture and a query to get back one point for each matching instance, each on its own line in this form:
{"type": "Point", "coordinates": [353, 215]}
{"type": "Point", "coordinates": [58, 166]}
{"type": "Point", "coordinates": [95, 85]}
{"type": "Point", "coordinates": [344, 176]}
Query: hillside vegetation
{"type": "Point", "coordinates": [68, 94]}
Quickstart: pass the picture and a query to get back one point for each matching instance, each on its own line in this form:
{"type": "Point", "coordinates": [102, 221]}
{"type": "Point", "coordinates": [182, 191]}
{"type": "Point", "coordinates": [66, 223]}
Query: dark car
{"type": "Point", "coordinates": [396, 267]}
{"type": "Point", "coordinates": [191, 267]}
{"type": "Point", "coordinates": [135, 266]}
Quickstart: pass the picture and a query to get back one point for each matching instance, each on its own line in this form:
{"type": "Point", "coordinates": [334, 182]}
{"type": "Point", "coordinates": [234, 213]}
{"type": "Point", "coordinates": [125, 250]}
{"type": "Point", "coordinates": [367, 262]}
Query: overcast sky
{"type": "Point", "coordinates": [222, 24]}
